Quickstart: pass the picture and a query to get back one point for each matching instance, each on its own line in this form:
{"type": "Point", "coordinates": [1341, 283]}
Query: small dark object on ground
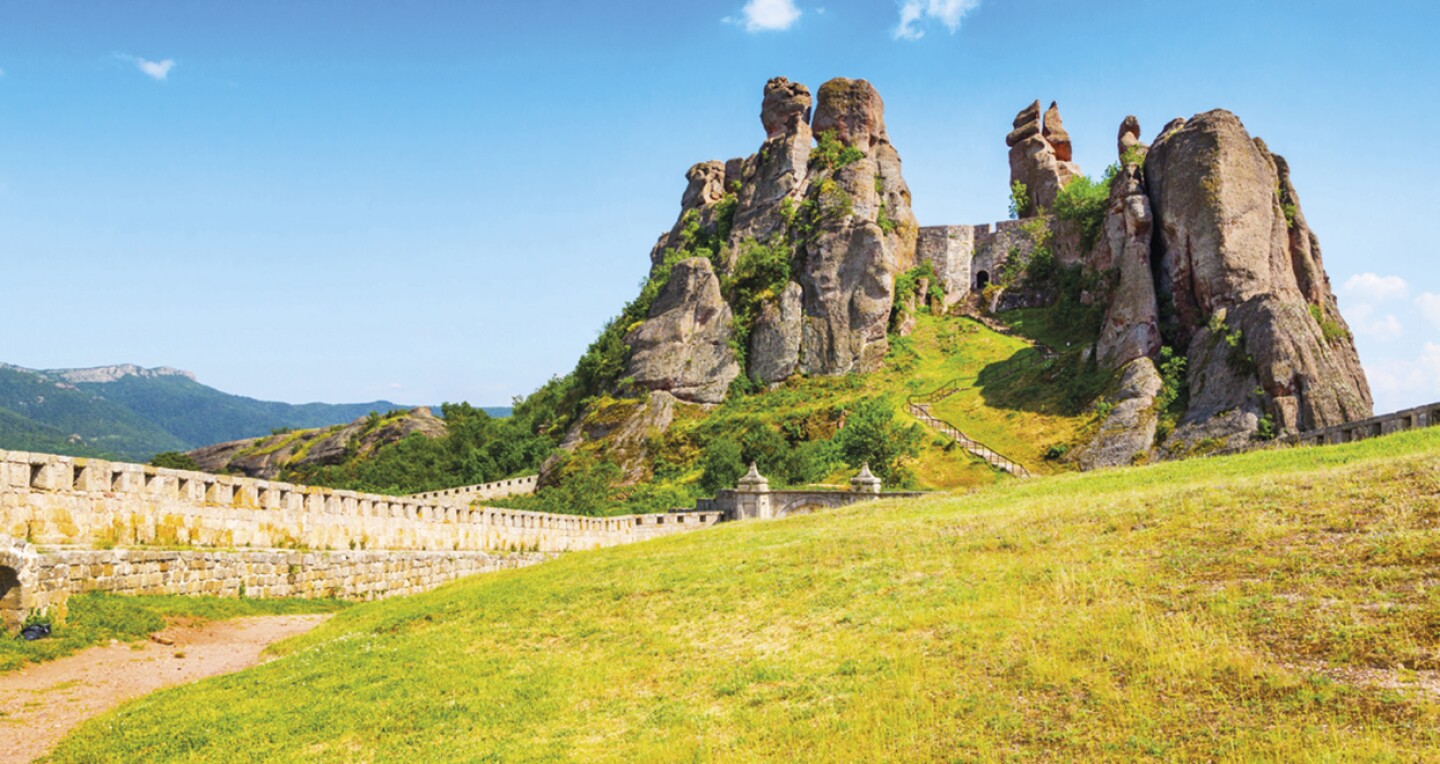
{"type": "Point", "coordinates": [35, 631]}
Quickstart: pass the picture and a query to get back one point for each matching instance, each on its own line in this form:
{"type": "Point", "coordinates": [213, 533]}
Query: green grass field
{"type": "Point", "coordinates": [1275, 606]}
{"type": "Point", "coordinates": [97, 618]}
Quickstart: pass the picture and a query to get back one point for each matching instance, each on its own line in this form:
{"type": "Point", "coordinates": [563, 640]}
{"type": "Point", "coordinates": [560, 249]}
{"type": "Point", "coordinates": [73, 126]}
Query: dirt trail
{"type": "Point", "coordinates": [41, 703]}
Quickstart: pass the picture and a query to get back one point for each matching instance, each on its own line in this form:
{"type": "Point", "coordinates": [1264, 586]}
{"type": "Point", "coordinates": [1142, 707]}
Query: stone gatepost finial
{"type": "Point", "coordinates": [753, 481]}
{"type": "Point", "coordinates": [865, 482]}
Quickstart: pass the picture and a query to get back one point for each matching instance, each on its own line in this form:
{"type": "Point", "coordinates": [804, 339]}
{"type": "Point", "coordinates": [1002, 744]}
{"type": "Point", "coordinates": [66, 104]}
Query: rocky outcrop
{"type": "Point", "coordinates": [1127, 433]}
{"type": "Point", "coordinates": [1253, 310]}
{"type": "Point", "coordinates": [684, 347]}
{"type": "Point", "coordinates": [266, 457]}
{"type": "Point", "coordinates": [1040, 156]}
{"type": "Point", "coordinates": [776, 172]}
{"type": "Point", "coordinates": [863, 235]}
{"type": "Point", "coordinates": [1131, 328]}
{"type": "Point", "coordinates": [775, 343]}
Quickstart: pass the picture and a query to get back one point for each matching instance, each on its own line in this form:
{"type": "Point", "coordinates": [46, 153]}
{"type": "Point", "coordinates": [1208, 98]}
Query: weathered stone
{"type": "Point", "coordinates": [1233, 267]}
{"type": "Point", "coordinates": [1129, 135]}
{"type": "Point", "coordinates": [786, 108]}
{"type": "Point", "coordinates": [1055, 133]}
{"type": "Point", "coordinates": [683, 348]}
{"type": "Point", "coordinates": [1131, 328]}
{"type": "Point", "coordinates": [265, 457]}
{"type": "Point", "coordinates": [775, 341]}
{"type": "Point", "coordinates": [1035, 161]}
{"type": "Point", "coordinates": [852, 109]}
{"type": "Point", "coordinates": [1128, 433]}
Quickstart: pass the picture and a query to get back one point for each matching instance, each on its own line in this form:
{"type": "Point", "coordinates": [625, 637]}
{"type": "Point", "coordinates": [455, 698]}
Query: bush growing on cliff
{"type": "Point", "coordinates": [831, 153]}
{"type": "Point", "coordinates": [1083, 202]}
{"type": "Point", "coordinates": [1019, 200]}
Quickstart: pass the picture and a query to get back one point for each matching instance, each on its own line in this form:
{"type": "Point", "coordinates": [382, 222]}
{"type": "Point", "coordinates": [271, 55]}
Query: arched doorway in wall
{"type": "Point", "coordinates": [982, 280]}
{"type": "Point", "coordinates": [11, 615]}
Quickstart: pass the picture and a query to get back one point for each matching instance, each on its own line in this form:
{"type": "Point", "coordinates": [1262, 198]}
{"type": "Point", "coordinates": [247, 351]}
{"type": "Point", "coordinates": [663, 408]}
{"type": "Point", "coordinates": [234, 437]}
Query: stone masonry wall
{"type": "Point", "coordinates": [57, 500]}
{"type": "Point", "coordinates": [960, 253]}
{"type": "Point", "coordinates": [520, 486]}
{"type": "Point", "coordinates": [46, 580]}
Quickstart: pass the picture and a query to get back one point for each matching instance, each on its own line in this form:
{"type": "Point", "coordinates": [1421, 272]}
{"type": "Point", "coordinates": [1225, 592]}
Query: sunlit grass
{"type": "Point", "coordinates": [1214, 610]}
{"type": "Point", "coordinates": [97, 618]}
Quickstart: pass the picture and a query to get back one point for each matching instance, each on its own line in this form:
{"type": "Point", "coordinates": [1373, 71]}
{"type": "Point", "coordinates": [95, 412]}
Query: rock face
{"type": "Point", "coordinates": [1131, 328]}
{"type": "Point", "coordinates": [864, 235]}
{"type": "Point", "coordinates": [684, 348]}
{"type": "Point", "coordinates": [1254, 310]}
{"type": "Point", "coordinates": [846, 220]}
{"type": "Point", "coordinates": [1128, 431]}
{"type": "Point", "coordinates": [1040, 156]}
{"type": "Point", "coordinates": [775, 345]}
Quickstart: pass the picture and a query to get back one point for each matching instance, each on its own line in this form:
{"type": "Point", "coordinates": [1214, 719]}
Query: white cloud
{"type": "Point", "coordinates": [914, 13]}
{"type": "Point", "coordinates": [1364, 322]}
{"type": "Point", "coordinates": [2, 72]}
{"type": "Point", "coordinates": [1400, 383]}
{"type": "Point", "coordinates": [1376, 288]}
{"type": "Point", "coordinates": [1428, 304]}
{"type": "Point", "coordinates": [155, 70]}
{"type": "Point", "coordinates": [158, 70]}
{"type": "Point", "coordinates": [768, 15]}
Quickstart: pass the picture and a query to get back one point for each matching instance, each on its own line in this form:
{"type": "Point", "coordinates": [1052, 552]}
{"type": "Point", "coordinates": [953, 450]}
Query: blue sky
{"type": "Point", "coordinates": [341, 201]}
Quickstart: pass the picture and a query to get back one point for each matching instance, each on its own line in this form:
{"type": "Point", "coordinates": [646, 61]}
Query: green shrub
{"type": "Point", "coordinates": [721, 465]}
{"type": "Point", "coordinates": [1019, 201]}
{"type": "Point", "coordinates": [1329, 327]}
{"type": "Point", "coordinates": [831, 153]}
{"type": "Point", "coordinates": [175, 460]}
{"type": "Point", "coordinates": [872, 435]}
{"type": "Point", "coordinates": [1084, 202]}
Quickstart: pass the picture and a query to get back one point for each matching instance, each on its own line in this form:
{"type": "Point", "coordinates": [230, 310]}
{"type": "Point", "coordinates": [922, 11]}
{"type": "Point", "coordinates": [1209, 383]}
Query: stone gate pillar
{"type": "Point", "coordinates": [865, 482]}
{"type": "Point", "coordinates": [752, 497]}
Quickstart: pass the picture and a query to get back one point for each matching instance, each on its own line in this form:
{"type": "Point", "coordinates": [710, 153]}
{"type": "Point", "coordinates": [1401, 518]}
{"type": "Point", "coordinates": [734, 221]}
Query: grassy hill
{"type": "Point", "coordinates": [1275, 606]}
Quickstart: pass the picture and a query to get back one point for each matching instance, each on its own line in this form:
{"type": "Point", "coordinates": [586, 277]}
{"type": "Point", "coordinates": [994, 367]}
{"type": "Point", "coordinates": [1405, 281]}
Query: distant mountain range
{"type": "Point", "coordinates": [130, 413]}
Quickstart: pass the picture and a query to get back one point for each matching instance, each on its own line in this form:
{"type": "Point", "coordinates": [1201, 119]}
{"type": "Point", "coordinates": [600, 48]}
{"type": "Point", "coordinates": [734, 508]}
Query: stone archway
{"type": "Point", "coordinates": [11, 613]}
{"type": "Point", "coordinates": [982, 280]}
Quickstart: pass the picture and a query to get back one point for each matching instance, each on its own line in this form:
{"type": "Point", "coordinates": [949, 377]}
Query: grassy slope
{"type": "Point", "coordinates": [97, 618]}
{"type": "Point", "coordinates": [1271, 606]}
{"type": "Point", "coordinates": [1021, 423]}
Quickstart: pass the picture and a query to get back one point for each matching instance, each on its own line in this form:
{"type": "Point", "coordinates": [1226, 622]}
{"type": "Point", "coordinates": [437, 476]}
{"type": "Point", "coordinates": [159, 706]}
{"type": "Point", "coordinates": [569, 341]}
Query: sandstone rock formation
{"type": "Point", "coordinates": [684, 348]}
{"type": "Point", "coordinates": [847, 220]}
{"type": "Point", "coordinates": [1131, 328]}
{"type": "Point", "coordinates": [864, 234]}
{"type": "Point", "coordinates": [1254, 310]}
{"type": "Point", "coordinates": [1128, 432]}
{"type": "Point", "coordinates": [1040, 156]}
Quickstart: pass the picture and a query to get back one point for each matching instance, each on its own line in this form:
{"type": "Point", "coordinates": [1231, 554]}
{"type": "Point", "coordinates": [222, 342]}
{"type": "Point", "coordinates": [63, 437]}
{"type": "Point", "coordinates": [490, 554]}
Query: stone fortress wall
{"type": "Point", "coordinates": [518, 486]}
{"type": "Point", "coordinates": [76, 524]}
{"type": "Point", "coordinates": [1374, 427]}
{"type": "Point", "coordinates": [967, 257]}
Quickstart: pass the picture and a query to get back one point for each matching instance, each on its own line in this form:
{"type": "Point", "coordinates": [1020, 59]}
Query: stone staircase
{"type": "Point", "coordinates": [919, 406]}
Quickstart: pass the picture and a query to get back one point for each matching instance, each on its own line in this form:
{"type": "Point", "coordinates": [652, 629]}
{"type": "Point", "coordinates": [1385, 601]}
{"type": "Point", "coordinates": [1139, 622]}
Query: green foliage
{"type": "Point", "coordinates": [882, 219]}
{"type": "Point", "coordinates": [1133, 155]}
{"type": "Point", "coordinates": [175, 460]}
{"type": "Point", "coordinates": [1329, 327]}
{"type": "Point", "coordinates": [585, 485]}
{"type": "Point", "coordinates": [477, 448]}
{"type": "Point", "coordinates": [1083, 202]}
{"type": "Point", "coordinates": [872, 434]}
{"type": "Point", "coordinates": [1175, 382]}
{"type": "Point", "coordinates": [832, 154]}
{"type": "Point", "coordinates": [1289, 209]}
{"type": "Point", "coordinates": [1019, 201]}
{"type": "Point", "coordinates": [1266, 429]}
{"type": "Point", "coordinates": [722, 465]}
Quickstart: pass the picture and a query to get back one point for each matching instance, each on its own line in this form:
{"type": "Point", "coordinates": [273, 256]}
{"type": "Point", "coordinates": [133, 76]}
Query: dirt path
{"type": "Point", "coordinates": [41, 703]}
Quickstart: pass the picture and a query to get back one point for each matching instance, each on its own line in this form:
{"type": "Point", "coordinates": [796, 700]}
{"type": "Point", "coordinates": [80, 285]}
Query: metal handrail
{"type": "Point", "coordinates": [919, 405]}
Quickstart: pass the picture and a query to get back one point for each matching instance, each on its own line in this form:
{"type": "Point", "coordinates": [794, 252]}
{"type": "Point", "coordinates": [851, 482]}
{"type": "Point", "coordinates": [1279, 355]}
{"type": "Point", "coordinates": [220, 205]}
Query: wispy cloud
{"type": "Point", "coordinates": [1428, 304]}
{"type": "Point", "coordinates": [1364, 320]}
{"type": "Point", "coordinates": [915, 14]}
{"type": "Point", "coordinates": [1401, 382]}
{"type": "Point", "coordinates": [1372, 287]}
{"type": "Point", "coordinates": [155, 70]}
{"type": "Point", "coordinates": [767, 15]}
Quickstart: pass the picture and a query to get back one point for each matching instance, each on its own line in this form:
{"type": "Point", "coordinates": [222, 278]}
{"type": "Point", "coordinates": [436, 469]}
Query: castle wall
{"type": "Point", "coordinates": [519, 486]}
{"type": "Point", "coordinates": [64, 501]}
{"type": "Point", "coordinates": [961, 253]}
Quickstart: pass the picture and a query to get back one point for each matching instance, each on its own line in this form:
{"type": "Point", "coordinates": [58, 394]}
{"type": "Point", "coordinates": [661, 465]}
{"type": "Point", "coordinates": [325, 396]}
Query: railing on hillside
{"type": "Point", "coordinates": [919, 406]}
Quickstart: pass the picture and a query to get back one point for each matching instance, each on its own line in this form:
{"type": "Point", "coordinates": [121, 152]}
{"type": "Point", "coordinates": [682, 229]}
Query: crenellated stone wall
{"type": "Point", "coordinates": [966, 258]}
{"type": "Point", "coordinates": [57, 500]}
{"type": "Point", "coordinates": [518, 486]}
